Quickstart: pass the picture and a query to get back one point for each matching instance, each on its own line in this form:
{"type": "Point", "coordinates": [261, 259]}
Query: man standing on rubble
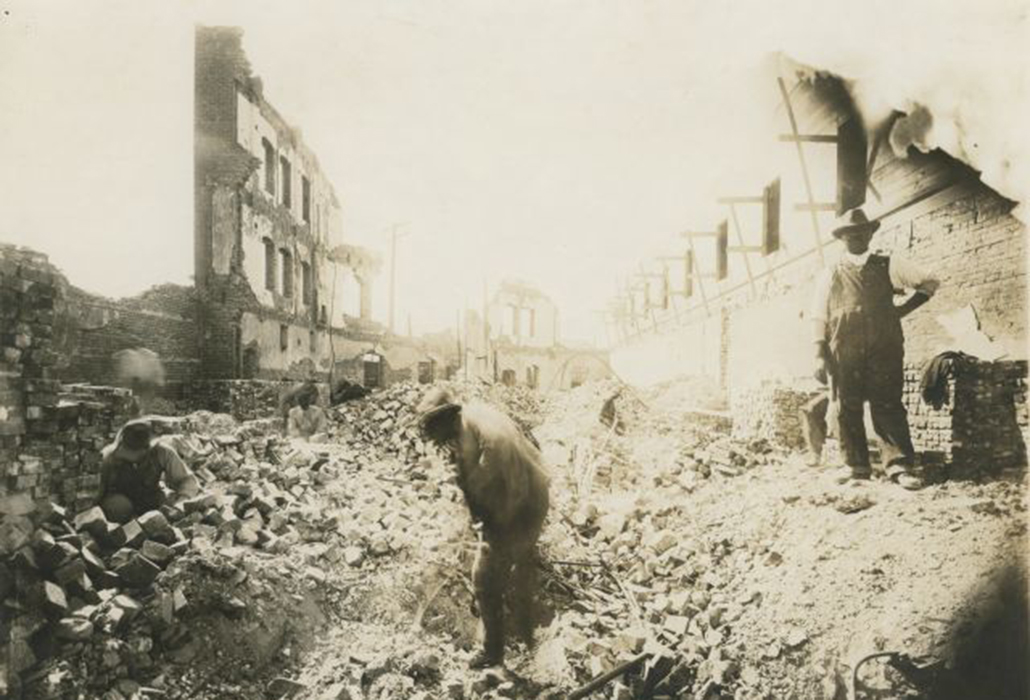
{"type": "Point", "coordinates": [131, 470]}
{"type": "Point", "coordinates": [502, 477]}
{"type": "Point", "coordinates": [859, 346]}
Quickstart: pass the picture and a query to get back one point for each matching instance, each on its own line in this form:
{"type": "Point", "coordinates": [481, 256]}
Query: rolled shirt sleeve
{"type": "Point", "coordinates": [818, 310]}
{"type": "Point", "coordinates": [907, 275]}
{"type": "Point", "coordinates": [177, 475]}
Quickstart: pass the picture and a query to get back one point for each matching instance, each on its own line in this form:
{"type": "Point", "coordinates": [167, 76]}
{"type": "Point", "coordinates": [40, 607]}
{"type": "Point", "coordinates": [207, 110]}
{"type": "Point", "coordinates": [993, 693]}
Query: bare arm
{"type": "Point", "coordinates": [912, 303]}
{"type": "Point", "coordinates": [177, 475]}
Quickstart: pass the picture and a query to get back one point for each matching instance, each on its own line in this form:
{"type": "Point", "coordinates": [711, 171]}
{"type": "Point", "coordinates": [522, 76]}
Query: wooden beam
{"type": "Point", "coordinates": [742, 247]}
{"type": "Point", "coordinates": [804, 168]}
{"type": "Point", "coordinates": [741, 200]}
{"type": "Point", "coordinates": [815, 206]}
{"type": "Point", "coordinates": [700, 284]}
{"type": "Point", "coordinates": [808, 138]}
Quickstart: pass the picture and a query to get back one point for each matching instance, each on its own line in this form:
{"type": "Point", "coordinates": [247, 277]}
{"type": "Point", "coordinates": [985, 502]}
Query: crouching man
{"type": "Point", "coordinates": [505, 486]}
{"type": "Point", "coordinates": [306, 419]}
{"type": "Point", "coordinates": [131, 470]}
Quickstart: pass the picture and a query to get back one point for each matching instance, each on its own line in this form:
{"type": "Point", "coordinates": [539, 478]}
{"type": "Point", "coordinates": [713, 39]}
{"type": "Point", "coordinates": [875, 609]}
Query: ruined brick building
{"type": "Point", "coordinates": [520, 343]}
{"type": "Point", "coordinates": [739, 320]}
{"type": "Point", "coordinates": [271, 265]}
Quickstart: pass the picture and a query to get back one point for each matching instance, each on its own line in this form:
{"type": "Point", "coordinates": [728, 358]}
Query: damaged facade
{"type": "Point", "coordinates": [519, 344]}
{"type": "Point", "coordinates": [742, 326]}
{"type": "Point", "coordinates": [271, 265]}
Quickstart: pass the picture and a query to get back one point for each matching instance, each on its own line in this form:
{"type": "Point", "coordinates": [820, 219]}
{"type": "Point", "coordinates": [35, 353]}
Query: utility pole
{"type": "Point", "coordinates": [393, 271]}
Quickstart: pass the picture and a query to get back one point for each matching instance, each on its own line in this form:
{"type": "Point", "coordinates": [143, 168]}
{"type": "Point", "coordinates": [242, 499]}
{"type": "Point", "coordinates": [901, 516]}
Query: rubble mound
{"type": "Point", "coordinates": [677, 561]}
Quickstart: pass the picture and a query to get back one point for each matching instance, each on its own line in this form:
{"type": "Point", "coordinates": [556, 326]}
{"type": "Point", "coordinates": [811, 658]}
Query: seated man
{"type": "Point", "coordinates": [306, 419]}
{"type": "Point", "coordinates": [130, 473]}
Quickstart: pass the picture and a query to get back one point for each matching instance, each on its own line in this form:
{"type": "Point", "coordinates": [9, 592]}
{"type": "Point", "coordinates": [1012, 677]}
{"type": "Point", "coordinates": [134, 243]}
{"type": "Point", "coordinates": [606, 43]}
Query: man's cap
{"type": "Point", "coordinates": [436, 402]}
{"type": "Point", "coordinates": [135, 435]}
{"type": "Point", "coordinates": [854, 221]}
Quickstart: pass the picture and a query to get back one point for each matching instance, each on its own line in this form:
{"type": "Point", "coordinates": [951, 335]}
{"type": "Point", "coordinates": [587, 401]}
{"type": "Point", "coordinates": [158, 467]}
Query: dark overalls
{"type": "Point", "coordinates": [867, 364]}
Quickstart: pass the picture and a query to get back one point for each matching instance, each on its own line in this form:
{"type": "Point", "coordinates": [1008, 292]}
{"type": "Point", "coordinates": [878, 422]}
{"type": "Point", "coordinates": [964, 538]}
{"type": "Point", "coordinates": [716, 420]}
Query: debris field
{"type": "Point", "coordinates": [676, 562]}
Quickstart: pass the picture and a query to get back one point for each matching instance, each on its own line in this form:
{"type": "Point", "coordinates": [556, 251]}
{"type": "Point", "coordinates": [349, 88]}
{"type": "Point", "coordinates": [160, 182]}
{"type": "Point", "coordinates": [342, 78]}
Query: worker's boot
{"type": "Point", "coordinates": [845, 474]}
{"type": "Point", "coordinates": [903, 476]}
{"type": "Point", "coordinates": [492, 653]}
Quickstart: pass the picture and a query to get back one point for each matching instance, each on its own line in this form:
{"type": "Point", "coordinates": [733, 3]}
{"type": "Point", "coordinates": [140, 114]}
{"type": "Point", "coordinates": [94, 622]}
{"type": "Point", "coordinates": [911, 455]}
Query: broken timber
{"type": "Point", "coordinates": [605, 678]}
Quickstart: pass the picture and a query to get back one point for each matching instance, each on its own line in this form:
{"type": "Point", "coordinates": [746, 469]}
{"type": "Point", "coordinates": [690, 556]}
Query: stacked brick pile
{"type": "Point", "coordinates": [84, 589]}
{"type": "Point", "coordinates": [989, 421]}
{"type": "Point", "coordinates": [88, 417]}
{"type": "Point", "coordinates": [31, 295]}
{"type": "Point", "coordinates": [981, 428]}
{"type": "Point", "coordinates": [931, 428]}
{"type": "Point", "coordinates": [769, 411]}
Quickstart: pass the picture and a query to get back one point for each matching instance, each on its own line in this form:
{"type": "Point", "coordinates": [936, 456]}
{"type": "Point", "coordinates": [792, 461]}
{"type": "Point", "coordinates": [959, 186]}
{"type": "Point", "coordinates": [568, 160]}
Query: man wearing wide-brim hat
{"type": "Point", "coordinates": [502, 476]}
{"type": "Point", "coordinates": [859, 345]}
{"type": "Point", "coordinates": [131, 470]}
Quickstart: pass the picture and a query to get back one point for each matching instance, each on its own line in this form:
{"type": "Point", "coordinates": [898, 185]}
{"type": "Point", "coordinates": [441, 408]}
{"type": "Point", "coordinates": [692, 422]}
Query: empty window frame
{"type": "Point", "coordinates": [287, 181]}
{"type": "Point", "coordinates": [287, 264]}
{"type": "Point", "coordinates": [269, 166]}
{"type": "Point", "coordinates": [269, 264]}
{"type": "Point", "coordinates": [305, 199]}
{"type": "Point", "coordinates": [527, 322]}
{"type": "Point", "coordinates": [305, 283]}
{"type": "Point", "coordinates": [284, 337]}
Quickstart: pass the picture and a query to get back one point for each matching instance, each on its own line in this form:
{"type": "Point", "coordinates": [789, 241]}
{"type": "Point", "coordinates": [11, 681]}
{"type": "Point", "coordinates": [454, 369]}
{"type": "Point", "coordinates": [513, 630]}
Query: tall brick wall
{"type": "Point", "coordinates": [50, 436]}
{"type": "Point", "coordinates": [970, 239]}
{"type": "Point", "coordinates": [163, 320]}
{"type": "Point", "coordinates": [30, 293]}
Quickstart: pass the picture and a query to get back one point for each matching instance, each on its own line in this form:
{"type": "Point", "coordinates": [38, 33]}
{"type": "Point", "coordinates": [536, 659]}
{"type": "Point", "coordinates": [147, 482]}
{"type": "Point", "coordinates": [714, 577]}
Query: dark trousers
{"type": "Point", "coordinates": [880, 382]}
{"type": "Point", "coordinates": [506, 569]}
{"type": "Point", "coordinates": [813, 423]}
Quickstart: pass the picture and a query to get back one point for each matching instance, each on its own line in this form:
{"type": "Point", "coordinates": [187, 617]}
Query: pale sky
{"type": "Point", "coordinates": [559, 142]}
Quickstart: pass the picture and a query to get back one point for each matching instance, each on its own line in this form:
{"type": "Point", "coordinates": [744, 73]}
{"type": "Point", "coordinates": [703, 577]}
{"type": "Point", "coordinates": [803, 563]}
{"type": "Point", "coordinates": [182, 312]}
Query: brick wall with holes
{"type": "Point", "coordinates": [162, 320]}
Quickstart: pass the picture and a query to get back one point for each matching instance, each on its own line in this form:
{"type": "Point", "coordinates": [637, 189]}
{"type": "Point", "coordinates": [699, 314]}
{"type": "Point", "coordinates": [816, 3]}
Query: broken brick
{"type": "Point", "coordinates": [94, 565]}
{"type": "Point", "coordinates": [157, 527]}
{"type": "Point", "coordinates": [157, 552]}
{"type": "Point", "coordinates": [52, 600]}
{"type": "Point", "coordinates": [12, 536]}
{"type": "Point", "coordinates": [73, 629]}
{"type": "Point", "coordinates": [138, 571]}
{"type": "Point", "coordinates": [70, 571]}
{"type": "Point", "coordinates": [92, 521]}
{"type": "Point", "coordinates": [128, 535]}
{"type": "Point", "coordinates": [25, 560]}
{"type": "Point", "coordinates": [128, 604]}
{"type": "Point", "coordinates": [199, 503]}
